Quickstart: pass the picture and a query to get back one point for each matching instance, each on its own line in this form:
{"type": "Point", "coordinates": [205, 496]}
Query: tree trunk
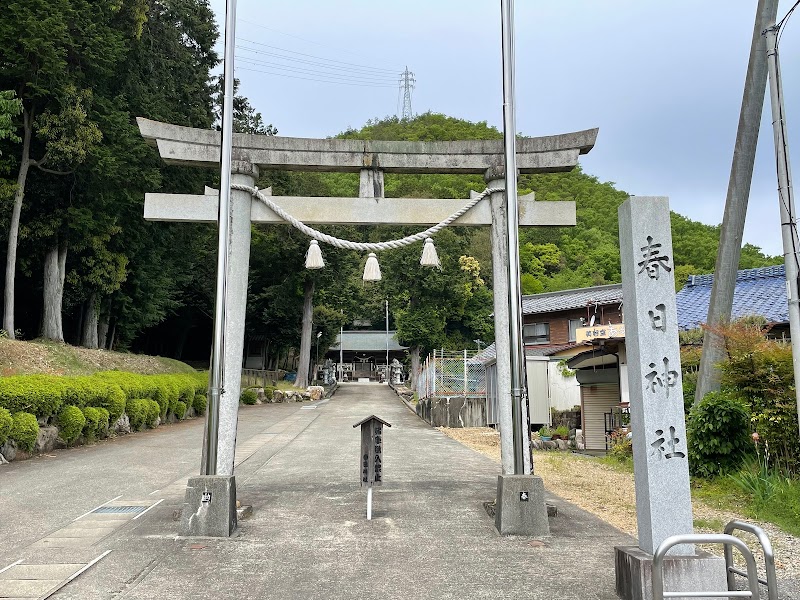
{"type": "Point", "coordinates": [103, 325]}
{"type": "Point", "coordinates": [414, 353]}
{"type": "Point", "coordinates": [89, 336]}
{"type": "Point", "coordinates": [54, 273]}
{"type": "Point", "coordinates": [305, 339]}
{"type": "Point", "coordinates": [111, 337]}
{"type": "Point", "coordinates": [13, 228]}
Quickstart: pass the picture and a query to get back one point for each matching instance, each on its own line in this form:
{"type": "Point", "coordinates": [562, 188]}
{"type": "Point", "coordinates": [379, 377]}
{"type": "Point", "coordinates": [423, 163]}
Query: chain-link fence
{"type": "Point", "coordinates": [452, 373]}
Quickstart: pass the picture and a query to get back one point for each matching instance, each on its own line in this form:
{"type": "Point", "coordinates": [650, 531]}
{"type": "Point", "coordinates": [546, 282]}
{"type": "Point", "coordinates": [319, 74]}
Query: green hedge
{"type": "Point", "coordinates": [199, 404]}
{"type": "Point", "coordinates": [89, 405]}
{"type": "Point", "coordinates": [25, 430]}
{"type": "Point", "coordinates": [46, 395]}
{"type": "Point", "coordinates": [71, 422]}
{"type": "Point", "coordinates": [6, 423]}
{"type": "Point", "coordinates": [41, 395]}
{"type": "Point", "coordinates": [249, 397]}
{"type": "Point", "coordinates": [96, 422]}
{"type": "Point", "coordinates": [180, 409]}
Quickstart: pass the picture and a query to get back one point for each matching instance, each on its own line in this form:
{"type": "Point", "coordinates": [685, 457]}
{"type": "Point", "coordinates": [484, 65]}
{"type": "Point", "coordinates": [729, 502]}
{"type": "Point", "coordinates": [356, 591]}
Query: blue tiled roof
{"type": "Point", "coordinates": [758, 292]}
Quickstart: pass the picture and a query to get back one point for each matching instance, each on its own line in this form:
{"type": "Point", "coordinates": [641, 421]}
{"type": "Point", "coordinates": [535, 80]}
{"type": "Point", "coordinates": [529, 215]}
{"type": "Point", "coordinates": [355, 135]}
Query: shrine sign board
{"type": "Point", "coordinates": [371, 456]}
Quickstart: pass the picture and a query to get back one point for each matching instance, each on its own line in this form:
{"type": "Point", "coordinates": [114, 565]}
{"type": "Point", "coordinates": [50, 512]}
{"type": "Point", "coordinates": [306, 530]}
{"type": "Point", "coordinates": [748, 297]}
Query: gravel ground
{"type": "Point", "coordinates": [609, 494]}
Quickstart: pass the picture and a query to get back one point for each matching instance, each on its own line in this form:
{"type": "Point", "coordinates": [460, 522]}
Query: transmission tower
{"type": "Point", "coordinates": [407, 82]}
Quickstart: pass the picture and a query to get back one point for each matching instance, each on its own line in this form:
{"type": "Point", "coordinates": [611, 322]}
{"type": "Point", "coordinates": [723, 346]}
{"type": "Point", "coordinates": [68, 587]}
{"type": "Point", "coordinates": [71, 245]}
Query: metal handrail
{"type": "Point", "coordinates": [710, 538]}
{"type": "Point", "coordinates": [771, 581]}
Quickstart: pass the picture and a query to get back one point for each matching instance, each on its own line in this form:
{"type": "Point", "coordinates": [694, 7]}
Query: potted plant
{"type": "Point", "coordinates": [545, 434]}
{"type": "Point", "coordinates": [561, 433]}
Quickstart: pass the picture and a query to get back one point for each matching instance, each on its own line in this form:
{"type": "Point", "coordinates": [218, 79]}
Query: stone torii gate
{"type": "Point", "coordinates": [200, 147]}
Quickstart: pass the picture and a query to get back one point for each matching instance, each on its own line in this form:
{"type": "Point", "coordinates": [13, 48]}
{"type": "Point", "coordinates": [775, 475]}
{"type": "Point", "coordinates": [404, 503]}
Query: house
{"type": "Point", "coordinates": [584, 331]}
{"type": "Point", "coordinates": [760, 292]}
{"type": "Point", "coordinates": [556, 326]}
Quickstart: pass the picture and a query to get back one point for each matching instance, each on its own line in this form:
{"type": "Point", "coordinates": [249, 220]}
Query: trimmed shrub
{"type": "Point", "coordinates": [249, 397]}
{"type": "Point", "coordinates": [718, 431]}
{"type": "Point", "coordinates": [105, 422]}
{"type": "Point", "coordinates": [180, 409]}
{"type": "Point", "coordinates": [269, 392]}
{"type": "Point", "coordinates": [93, 427]}
{"type": "Point", "coordinates": [70, 423]}
{"type": "Point", "coordinates": [199, 404]}
{"type": "Point", "coordinates": [41, 395]}
{"type": "Point", "coordinates": [25, 430]}
{"type": "Point", "coordinates": [136, 410]}
{"type": "Point", "coordinates": [153, 412]}
{"type": "Point", "coordinates": [6, 423]}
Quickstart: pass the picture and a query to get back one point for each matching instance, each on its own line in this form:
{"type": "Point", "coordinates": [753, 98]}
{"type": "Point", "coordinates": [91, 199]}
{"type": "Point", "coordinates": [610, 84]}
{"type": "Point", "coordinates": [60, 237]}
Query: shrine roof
{"type": "Point", "coordinates": [759, 292]}
{"type": "Point", "coordinates": [368, 341]}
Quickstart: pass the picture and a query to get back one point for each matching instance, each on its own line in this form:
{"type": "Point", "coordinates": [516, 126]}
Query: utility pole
{"type": "Point", "coordinates": [786, 200]}
{"type": "Point", "coordinates": [519, 395]}
{"type": "Point", "coordinates": [732, 230]}
{"type": "Point", "coordinates": [407, 82]}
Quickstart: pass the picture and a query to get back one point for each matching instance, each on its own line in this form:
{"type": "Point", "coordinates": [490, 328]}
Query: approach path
{"type": "Point", "coordinates": [308, 537]}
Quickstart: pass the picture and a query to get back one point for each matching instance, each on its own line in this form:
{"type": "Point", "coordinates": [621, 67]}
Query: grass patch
{"type": "Point", "coordinates": [623, 466]}
{"type": "Point", "coordinates": [716, 525]}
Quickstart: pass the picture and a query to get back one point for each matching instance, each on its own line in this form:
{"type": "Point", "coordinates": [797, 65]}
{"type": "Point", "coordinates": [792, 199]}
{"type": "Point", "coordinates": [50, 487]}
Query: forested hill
{"type": "Point", "coordinates": [554, 258]}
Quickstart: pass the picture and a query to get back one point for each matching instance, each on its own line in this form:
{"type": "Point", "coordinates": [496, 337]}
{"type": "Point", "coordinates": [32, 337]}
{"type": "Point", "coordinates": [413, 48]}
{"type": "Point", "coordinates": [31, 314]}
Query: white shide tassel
{"type": "Point", "coordinates": [429, 256]}
{"type": "Point", "coordinates": [314, 256]}
{"type": "Point", "coordinates": [372, 270]}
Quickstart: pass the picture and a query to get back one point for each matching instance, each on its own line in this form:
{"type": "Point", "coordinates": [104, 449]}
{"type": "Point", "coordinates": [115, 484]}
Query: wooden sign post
{"type": "Point", "coordinates": [371, 457]}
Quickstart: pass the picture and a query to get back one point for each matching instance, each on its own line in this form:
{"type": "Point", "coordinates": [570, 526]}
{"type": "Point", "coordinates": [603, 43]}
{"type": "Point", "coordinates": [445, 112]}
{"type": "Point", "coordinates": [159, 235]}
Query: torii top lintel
{"type": "Point", "coordinates": [201, 147]}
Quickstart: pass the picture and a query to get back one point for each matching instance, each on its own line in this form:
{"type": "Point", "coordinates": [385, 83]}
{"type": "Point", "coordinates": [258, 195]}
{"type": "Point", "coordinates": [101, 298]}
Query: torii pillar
{"type": "Point", "coordinates": [201, 147]}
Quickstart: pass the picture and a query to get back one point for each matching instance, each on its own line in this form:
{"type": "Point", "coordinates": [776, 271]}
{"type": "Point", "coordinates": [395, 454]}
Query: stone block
{"type": "Point", "coordinates": [46, 440]}
{"type": "Point", "coordinates": [209, 507]}
{"type": "Point", "coordinates": [703, 572]}
{"type": "Point", "coordinates": [9, 450]}
{"type": "Point", "coordinates": [520, 507]}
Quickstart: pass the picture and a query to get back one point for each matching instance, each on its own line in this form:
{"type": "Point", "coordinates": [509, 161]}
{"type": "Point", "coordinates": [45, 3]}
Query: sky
{"type": "Point", "coordinates": [663, 81]}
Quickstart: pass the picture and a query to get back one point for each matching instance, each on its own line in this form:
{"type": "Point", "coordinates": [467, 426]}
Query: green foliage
{"type": "Point", "coordinates": [621, 447]}
{"type": "Point", "coordinates": [71, 422]}
{"type": "Point", "coordinates": [153, 413]}
{"type": "Point", "coordinates": [96, 422]}
{"type": "Point", "coordinates": [42, 395]}
{"type": "Point", "coordinates": [269, 391]}
{"type": "Point", "coordinates": [6, 423]}
{"type": "Point", "coordinates": [137, 409]}
{"type": "Point", "coordinates": [757, 480]}
{"type": "Point", "coordinates": [760, 371]}
{"type": "Point", "coordinates": [10, 107]}
{"type": "Point", "coordinates": [544, 431]}
{"type": "Point", "coordinates": [718, 432]}
{"type": "Point", "coordinates": [24, 430]}
{"type": "Point", "coordinates": [180, 409]}
{"type": "Point", "coordinates": [249, 397]}
{"type": "Point", "coordinates": [199, 404]}
{"type": "Point", "coordinates": [561, 431]}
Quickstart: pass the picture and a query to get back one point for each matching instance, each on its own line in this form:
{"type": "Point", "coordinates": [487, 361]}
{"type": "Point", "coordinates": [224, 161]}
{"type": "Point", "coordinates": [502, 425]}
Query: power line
{"type": "Point", "coordinates": [317, 80]}
{"type": "Point", "coordinates": [297, 37]}
{"type": "Point", "coordinates": [292, 69]}
{"type": "Point", "coordinates": [314, 63]}
{"type": "Point", "coordinates": [322, 58]}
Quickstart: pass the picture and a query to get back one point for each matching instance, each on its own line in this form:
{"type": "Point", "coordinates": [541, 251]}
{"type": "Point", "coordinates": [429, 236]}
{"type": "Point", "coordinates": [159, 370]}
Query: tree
{"type": "Point", "coordinates": [52, 51]}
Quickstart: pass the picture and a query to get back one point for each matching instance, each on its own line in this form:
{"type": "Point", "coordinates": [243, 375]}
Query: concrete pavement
{"type": "Point", "coordinates": [308, 537]}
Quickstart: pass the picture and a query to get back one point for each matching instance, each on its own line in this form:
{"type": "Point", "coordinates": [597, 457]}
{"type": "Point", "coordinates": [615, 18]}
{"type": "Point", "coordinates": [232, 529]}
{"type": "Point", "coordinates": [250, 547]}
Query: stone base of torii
{"type": "Point", "coordinates": [520, 502]}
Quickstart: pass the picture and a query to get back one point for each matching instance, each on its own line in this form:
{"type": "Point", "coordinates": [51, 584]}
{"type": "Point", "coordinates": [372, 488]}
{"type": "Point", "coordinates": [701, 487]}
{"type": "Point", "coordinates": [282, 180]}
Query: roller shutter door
{"type": "Point", "coordinates": [596, 400]}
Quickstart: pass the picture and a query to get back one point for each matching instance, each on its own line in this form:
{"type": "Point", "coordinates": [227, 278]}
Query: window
{"type": "Point", "coordinates": [573, 326]}
{"type": "Point", "coordinates": [536, 333]}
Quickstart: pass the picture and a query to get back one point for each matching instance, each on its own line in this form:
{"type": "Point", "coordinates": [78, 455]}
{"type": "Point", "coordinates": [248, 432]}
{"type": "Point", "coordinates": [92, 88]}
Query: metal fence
{"type": "Point", "coordinates": [452, 373]}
